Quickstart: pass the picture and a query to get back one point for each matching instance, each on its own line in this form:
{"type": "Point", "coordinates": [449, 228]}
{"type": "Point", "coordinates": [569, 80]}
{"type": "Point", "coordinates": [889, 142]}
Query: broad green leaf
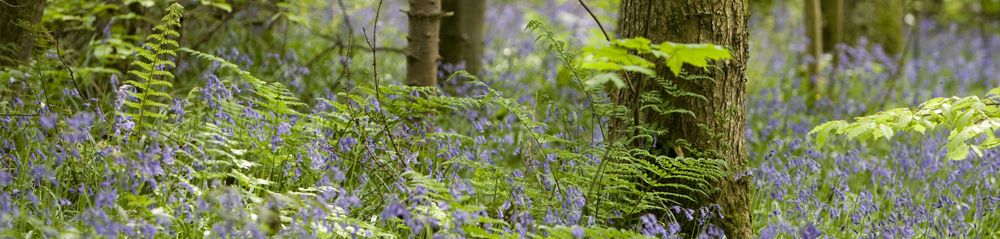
{"type": "Point", "coordinates": [693, 54]}
{"type": "Point", "coordinates": [995, 92]}
{"type": "Point", "coordinates": [958, 151]}
{"type": "Point", "coordinates": [604, 78]}
{"type": "Point", "coordinates": [885, 131]}
{"type": "Point", "coordinates": [823, 131]}
{"type": "Point", "coordinates": [639, 44]}
{"type": "Point", "coordinates": [601, 66]}
{"type": "Point", "coordinates": [640, 69]}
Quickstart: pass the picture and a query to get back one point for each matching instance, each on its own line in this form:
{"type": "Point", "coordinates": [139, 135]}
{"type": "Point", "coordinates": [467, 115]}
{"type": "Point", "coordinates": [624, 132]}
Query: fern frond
{"type": "Point", "coordinates": [152, 80]}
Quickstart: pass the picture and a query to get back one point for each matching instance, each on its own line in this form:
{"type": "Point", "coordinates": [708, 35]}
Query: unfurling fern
{"type": "Point", "coordinates": [151, 70]}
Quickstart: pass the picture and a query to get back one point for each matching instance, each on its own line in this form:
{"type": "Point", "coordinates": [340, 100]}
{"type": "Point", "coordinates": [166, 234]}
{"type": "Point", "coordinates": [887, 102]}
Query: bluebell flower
{"type": "Point", "coordinates": [577, 232]}
{"type": "Point", "coordinates": [5, 178]}
{"type": "Point", "coordinates": [48, 121]}
{"type": "Point", "coordinates": [810, 232]}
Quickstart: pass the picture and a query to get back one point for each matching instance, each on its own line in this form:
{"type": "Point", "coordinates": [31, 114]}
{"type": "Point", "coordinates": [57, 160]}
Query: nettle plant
{"type": "Point", "coordinates": [969, 119]}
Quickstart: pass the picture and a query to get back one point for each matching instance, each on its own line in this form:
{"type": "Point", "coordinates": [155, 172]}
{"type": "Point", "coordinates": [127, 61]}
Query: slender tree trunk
{"type": "Point", "coordinates": [422, 49]}
{"type": "Point", "coordinates": [880, 21]}
{"type": "Point", "coordinates": [833, 26]}
{"type": "Point", "coordinates": [814, 30]}
{"type": "Point", "coordinates": [462, 34]}
{"type": "Point", "coordinates": [15, 16]}
{"type": "Point", "coordinates": [717, 130]}
{"type": "Point", "coordinates": [985, 34]}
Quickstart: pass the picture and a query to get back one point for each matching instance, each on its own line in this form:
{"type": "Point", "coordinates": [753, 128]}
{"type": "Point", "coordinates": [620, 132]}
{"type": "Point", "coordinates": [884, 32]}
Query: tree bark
{"type": "Point", "coordinates": [13, 34]}
{"type": "Point", "coordinates": [717, 130]}
{"type": "Point", "coordinates": [462, 34]}
{"type": "Point", "coordinates": [422, 48]}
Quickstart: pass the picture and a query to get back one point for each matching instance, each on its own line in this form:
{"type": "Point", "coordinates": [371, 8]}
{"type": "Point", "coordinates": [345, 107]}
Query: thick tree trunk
{"type": "Point", "coordinates": [462, 34]}
{"type": "Point", "coordinates": [13, 35]}
{"type": "Point", "coordinates": [717, 130]}
{"type": "Point", "coordinates": [422, 48]}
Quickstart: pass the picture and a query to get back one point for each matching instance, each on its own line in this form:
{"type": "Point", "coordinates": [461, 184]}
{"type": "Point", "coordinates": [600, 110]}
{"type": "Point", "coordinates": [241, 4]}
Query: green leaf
{"type": "Point", "coordinates": [919, 128]}
{"type": "Point", "coordinates": [958, 151]}
{"type": "Point", "coordinates": [693, 54]}
{"type": "Point", "coordinates": [860, 129]}
{"type": "Point", "coordinates": [639, 44]}
{"type": "Point", "coordinates": [217, 4]}
{"type": "Point", "coordinates": [604, 78]}
{"type": "Point", "coordinates": [885, 131]}
{"type": "Point", "coordinates": [823, 131]}
{"type": "Point", "coordinates": [601, 66]}
{"type": "Point", "coordinates": [640, 69]}
{"type": "Point", "coordinates": [995, 92]}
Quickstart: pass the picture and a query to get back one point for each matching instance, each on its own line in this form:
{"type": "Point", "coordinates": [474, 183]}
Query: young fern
{"type": "Point", "coordinates": [276, 97]}
{"type": "Point", "coordinates": [151, 70]}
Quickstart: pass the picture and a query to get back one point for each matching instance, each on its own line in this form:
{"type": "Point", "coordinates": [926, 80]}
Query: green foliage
{"type": "Point", "coordinates": [153, 78]}
{"type": "Point", "coordinates": [967, 119]}
{"type": "Point", "coordinates": [632, 179]}
{"type": "Point", "coordinates": [627, 55]}
{"type": "Point", "coordinates": [229, 148]}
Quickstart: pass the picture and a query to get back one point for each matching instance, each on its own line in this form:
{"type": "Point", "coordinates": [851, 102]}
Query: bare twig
{"type": "Point", "coordinates": [72, 76]}
{"type": "Point", "coordinates": [378, 94]}
{"type": "Point", "coordinates": [337, 43]}
{"type": "Point", "coordinates": [599, 25]}
{"type": "Point", "coordinates": [347, 19]}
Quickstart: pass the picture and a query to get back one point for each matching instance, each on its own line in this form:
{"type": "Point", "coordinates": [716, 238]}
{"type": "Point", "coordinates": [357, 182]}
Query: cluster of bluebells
{"type": "Point", "coordinates": [253, 171]}
{"type": "Point", "coordinates": [905, 188]}
{"type": "Point", "coordinates": [249, 170]}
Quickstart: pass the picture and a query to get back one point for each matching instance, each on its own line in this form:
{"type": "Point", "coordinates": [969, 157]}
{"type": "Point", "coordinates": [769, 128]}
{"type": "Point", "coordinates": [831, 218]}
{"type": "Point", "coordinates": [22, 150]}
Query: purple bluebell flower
{"type": "Point", "coordinates": [48, 121]}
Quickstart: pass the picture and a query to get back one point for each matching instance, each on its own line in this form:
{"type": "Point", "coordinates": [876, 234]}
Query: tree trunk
{"type": "Point", "coordinates": [15, 16]}
{"type": "Point", "coordinates": [880, 21]}
{"type": "Point", "coordinates": [422, 48]}
{"type": "Point", "coordinates": [814, 30]}
{"type": "Point", "coordinates": [462, 35]}
{"type": "Point", "coordinates": [717, 130]}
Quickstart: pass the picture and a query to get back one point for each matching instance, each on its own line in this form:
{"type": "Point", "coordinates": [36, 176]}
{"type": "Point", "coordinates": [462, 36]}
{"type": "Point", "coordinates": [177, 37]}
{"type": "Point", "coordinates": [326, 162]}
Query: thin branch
{"type": "Point", "coordinates": [72, 76]}
{"type": "Point", "coordinates": [347, 19]}
{"type": "Point", "coordinates": [378, 94]}
{"type": "Point", "coordinates": [599, 25]}
{"type": "Point", "coordinates": [337, 43]}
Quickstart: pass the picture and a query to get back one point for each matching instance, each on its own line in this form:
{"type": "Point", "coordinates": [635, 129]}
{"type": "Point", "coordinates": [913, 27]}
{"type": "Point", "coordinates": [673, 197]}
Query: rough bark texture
{"type": "Point", "coordinates": [462, 34]}
{"type": "Point", "coordinates": [422, 48]}
{"type": "Point", "coordinates": [721, 22]}
{"type": "Point", "coordinates": [15, 37]}
{"type": "Point", "coordinates": [880, 21]}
